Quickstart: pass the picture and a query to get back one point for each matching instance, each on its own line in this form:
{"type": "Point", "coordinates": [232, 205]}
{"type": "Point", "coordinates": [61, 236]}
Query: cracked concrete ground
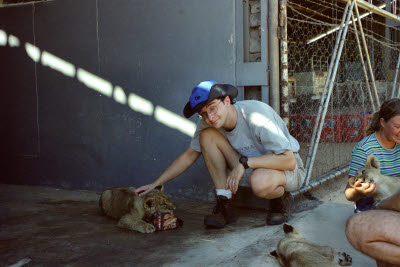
{"type": "Point", "coordinates": [56, 227]}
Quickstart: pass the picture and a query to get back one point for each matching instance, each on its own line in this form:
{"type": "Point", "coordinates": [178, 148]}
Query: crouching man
{"type": "Point", "coordinates": [239, 136]}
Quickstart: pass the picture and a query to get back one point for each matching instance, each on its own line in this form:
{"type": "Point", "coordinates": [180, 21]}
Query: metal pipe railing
{"type": "Point", "coordinates": [273, 49]}
{"type": "Point", "coordinates": [363, 64]}
{"type": "Point", "coordinates": [331, 81]}
{"type": "Point", "coordinates": [395, 76]}
{"type": "Point", "coordinates": [377, 10]}
{"type": "Point", "coordinates": [340, 170]}
{"type": "Point", "coordinates": [322, 101]}
{"type": "Point", "coordinates": [284, 88]}
{"type": "Point", "coordinates": [367, 54]}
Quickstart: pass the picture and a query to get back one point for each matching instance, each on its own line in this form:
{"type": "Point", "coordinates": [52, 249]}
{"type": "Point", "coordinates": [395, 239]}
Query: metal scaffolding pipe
{"type": "Point", "coordinates": [367, 54]}
{"type": "Point", "coordinates": [363, 64]}
{"type": "Point", "coordinates": [273, 53]}
{"type": "Point", "coordinates": [322, 35]}
{"type": "Point", "coordinates": [331, 81]}
{"type": "Point", "coordinates": [322, 101]}
{"type": "Point", "coordinates": [284, 88]}
{"type": "Point", "coordinates": [376, 10]}
{"type": "Point", "coordinates": [395, 76]}
{"type": "Point", "coordinates": [323, 178]}
{"type": "Point", "coordinates": [246, 32]}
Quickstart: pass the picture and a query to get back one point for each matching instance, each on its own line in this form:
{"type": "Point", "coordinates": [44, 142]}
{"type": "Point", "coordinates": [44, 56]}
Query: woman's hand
{"type": "Point", "coordinates": [366, 188]}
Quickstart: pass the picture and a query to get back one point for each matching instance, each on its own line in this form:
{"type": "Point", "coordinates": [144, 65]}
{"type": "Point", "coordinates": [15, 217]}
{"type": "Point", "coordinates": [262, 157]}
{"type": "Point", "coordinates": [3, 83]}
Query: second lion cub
{"type": "Point", "coordinates": [295, 251]}
{"type": "Point", "coordinates": [387, 185]}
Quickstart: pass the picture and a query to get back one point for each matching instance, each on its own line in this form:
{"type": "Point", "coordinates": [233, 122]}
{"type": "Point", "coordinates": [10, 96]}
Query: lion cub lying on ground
{"type": "Point", "coordinates": [122, 204]}
{"type": "Point", "coordinates": [293, 250]}
{"type": "Point", "coordinates": [387, 185]}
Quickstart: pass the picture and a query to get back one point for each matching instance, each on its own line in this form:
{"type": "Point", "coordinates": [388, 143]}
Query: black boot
{"type": "Point", "coordinates": [222, 213]}
{"type": "Point", "coordinates": [280, 209]}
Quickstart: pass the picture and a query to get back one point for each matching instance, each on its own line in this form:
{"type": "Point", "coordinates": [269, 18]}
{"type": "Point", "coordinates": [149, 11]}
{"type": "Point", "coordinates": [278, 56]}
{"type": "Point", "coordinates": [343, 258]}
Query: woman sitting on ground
{"type": "Point", "coordinates": [376, 232]}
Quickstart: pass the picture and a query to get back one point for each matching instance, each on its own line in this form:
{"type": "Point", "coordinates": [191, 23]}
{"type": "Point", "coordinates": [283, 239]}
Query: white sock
{"type": "Point", "coordinates": [223, 192]}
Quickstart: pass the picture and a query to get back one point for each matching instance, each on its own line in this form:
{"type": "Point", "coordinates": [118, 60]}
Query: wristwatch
{"type": "Point", "coordinates": [243, 160]}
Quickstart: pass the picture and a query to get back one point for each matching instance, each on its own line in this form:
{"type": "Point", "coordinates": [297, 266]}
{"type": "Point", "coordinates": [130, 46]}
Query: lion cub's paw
{"type": "Point", "coordinates": [344, 259]}
{"type": "Point", "coordinates": [146, 228]}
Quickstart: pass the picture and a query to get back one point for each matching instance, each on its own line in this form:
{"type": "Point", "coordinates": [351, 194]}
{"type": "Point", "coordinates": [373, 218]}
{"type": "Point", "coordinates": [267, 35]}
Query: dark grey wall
{"type": "Point", "coordinates": [57, 131]}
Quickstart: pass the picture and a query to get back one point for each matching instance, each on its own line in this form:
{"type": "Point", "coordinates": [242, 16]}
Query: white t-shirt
{"type": "Point", "coordinates": [259, 131]}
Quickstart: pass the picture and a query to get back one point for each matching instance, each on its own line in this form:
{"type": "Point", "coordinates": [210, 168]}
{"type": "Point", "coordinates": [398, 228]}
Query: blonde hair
{"type": "Point", "coordinates": [388, 110]}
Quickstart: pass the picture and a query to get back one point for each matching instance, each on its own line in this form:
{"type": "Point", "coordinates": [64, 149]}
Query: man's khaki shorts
{"type": "Point", "coordinates": [294, 179]}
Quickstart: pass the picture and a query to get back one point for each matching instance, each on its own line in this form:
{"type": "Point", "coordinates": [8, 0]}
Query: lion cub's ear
{"type": "Point", "coordinates": [287, 228]}
{"type": "Point", "coordinates": [372, 162]}
{"type": "Point", "coordinates": [352, 181]}
{"type": "Point", "coordinates": [160, 188]}
{"type": "Point", "coordinates": [274, 254]}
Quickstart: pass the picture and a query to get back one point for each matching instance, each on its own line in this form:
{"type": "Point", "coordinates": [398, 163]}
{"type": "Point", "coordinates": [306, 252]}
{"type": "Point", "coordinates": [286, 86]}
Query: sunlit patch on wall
{"type": "Point", "coordinates": [175, 121]}
{"type": "Point", "coordinates": [3, 38]}
{"type": "Point", "coordinates": [119, 95]}
{"type": "Point", "coordinates": [140, 104]}
{"type": "Point", "coordinates": [13, 41]}
{"type": "Point", "coordinates": [104, 87]}
{"type": "Point", "coordinates": [58, 64]}
{"type": "Point", "coordinates": [94, 82]}
{"type": "Point", "coordinates": [32, 51]}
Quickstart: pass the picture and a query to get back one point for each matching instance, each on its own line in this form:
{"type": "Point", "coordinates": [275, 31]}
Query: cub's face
{"type": "Point", "coordinates": [367, 174]}
{"type": "Point", "coordinates": [156, 201]}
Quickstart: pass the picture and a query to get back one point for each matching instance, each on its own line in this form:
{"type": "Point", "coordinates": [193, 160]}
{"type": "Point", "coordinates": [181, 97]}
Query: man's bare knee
{"type": "Point", "coordinates": [267, 183]}
{"type": "Point", "coordinates": [259, 190]}
{"type": "Point", "coordinates": [207, 135]}
{"type": "Point", "coordinates": [352, 233]}
{"type": "Point", "coordinates": [260, 185]}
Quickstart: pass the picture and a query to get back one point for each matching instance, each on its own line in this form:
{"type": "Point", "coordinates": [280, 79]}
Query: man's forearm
{"type": "Point", "coordinates": [283, 162]}
{"type": "Point", "coordinates": [351, 194]}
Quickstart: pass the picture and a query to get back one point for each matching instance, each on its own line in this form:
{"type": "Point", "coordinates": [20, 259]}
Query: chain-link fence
{"type": "Point", "coordinates": [312, 28]}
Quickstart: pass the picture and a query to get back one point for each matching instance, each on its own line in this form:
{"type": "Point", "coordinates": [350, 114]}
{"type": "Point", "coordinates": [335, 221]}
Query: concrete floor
{"type": "Point", "coordinates": [55, 227]}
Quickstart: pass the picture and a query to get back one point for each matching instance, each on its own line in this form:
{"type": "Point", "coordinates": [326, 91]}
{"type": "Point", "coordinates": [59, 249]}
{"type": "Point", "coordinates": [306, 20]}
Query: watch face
{"type": "Point", "coordinates": [243, 161]}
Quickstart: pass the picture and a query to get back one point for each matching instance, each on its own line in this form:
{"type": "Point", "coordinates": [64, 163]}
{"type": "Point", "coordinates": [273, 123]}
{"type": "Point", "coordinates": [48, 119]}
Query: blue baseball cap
{"type": "Point", "coordinates": [204, 93]}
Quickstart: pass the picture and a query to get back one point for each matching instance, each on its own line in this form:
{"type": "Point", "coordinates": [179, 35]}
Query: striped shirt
{"type": "Point", "coordinates": [389, 158]}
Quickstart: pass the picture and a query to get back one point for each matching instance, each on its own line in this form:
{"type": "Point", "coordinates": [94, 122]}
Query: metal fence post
{"type": "Point", "coordinates": [331, 80]}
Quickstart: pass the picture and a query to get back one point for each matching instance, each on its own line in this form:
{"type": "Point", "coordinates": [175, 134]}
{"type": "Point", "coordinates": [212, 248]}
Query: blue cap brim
{"type": "Point", "coordinates": [216, 91]}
